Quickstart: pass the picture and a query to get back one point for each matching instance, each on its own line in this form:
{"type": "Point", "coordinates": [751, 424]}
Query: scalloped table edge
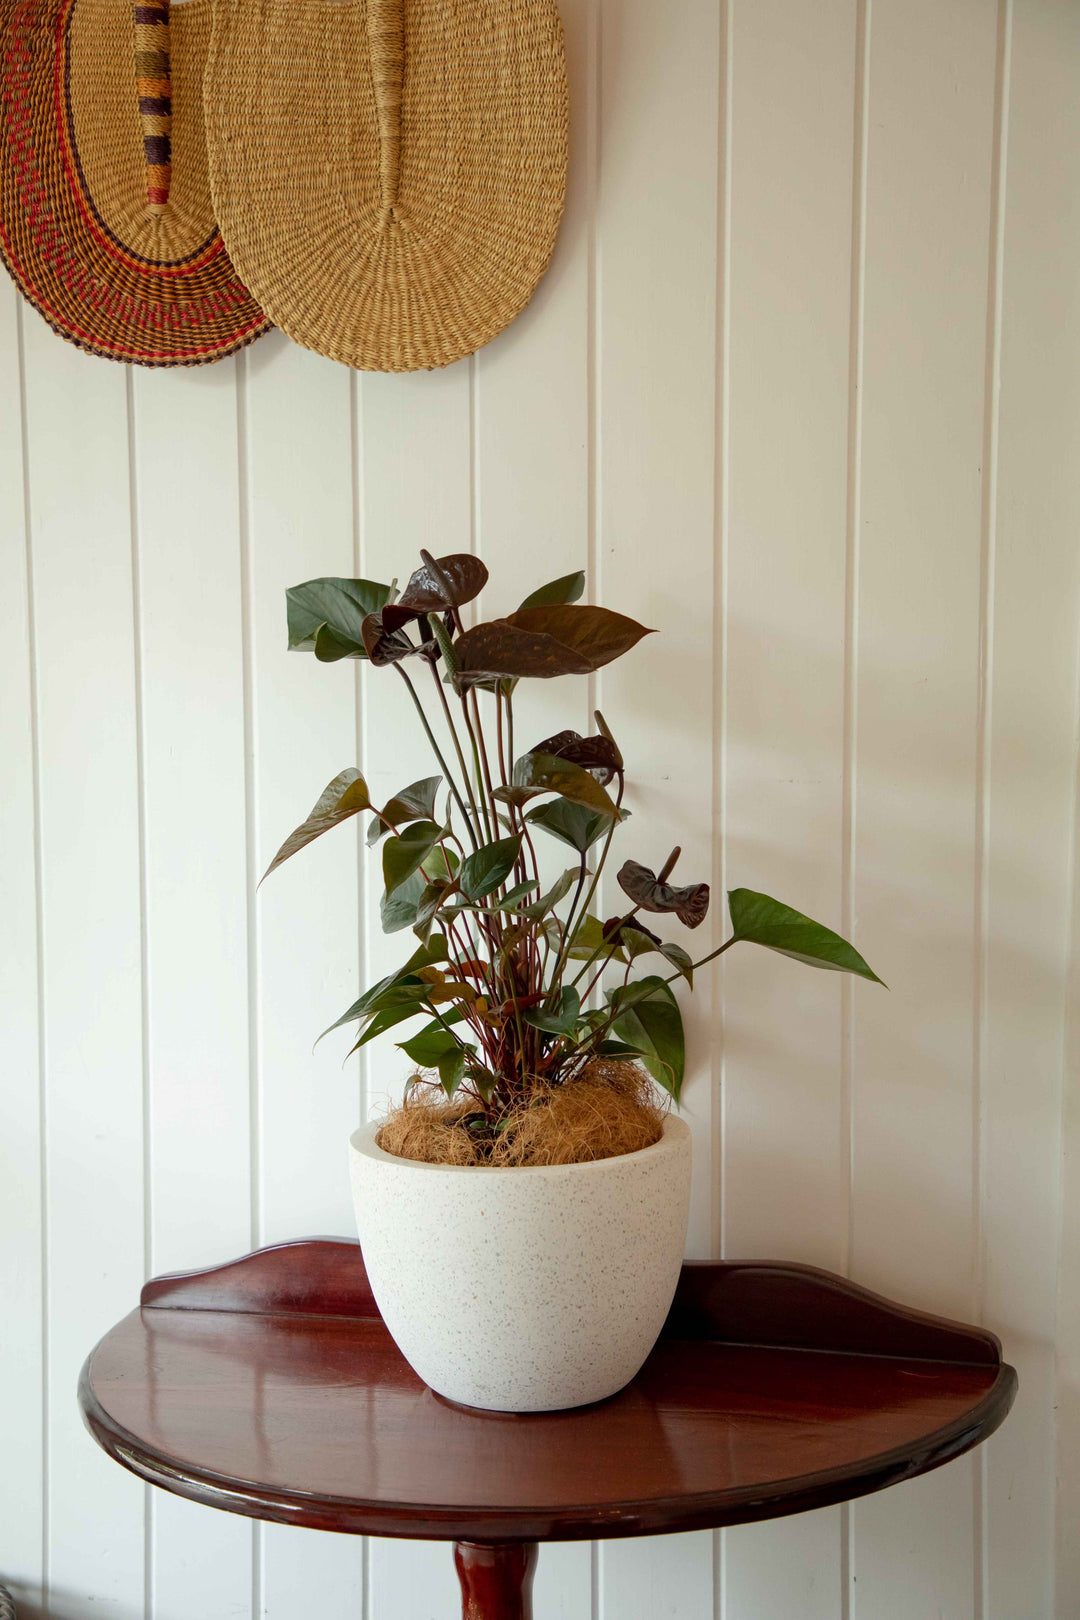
{"type": "Point", "coordinates": [763, 1304]}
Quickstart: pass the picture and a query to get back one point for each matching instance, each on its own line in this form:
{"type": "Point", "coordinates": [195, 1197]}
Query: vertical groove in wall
{"type": "Point", "coordinates": [247, 635]}
{"type": "Point", "coordinates": [355, 464]}
{"type": "Point", "coordinates": [852, 541]}
{"type": "Point", "coordinates": [592, 419]}
{"type": "Point", "coordinates": [1064, 1518]}
{"type": "Point", "coordinates": [592, 383]}
{"type": "Point", "coordinates": [474, 456]}
{"type": "Point", "coordinates": [983, 743]}
{"type": "Point", "coordinates": [39, 908]}
{"type": "Point", "coordinates": [851, 587]}
{"type": "Point", "coordinates": [721, 515]}
{"type": "Point", "coordinates": [247, 638]}
{"type": "Point", "coordinates": [149, 1524]}
{"type": "Point", "coordinates": [360, 572]}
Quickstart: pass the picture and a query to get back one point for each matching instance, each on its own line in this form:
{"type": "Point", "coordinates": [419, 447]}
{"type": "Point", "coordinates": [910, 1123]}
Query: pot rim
{"type": "Point", "coordinates": [676, 1132]}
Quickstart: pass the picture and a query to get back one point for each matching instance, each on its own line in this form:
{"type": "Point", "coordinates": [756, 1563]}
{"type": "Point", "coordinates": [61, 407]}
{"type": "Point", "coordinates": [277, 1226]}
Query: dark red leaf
{"type": "Point", "coordinates": [544, 642]}
{"type": "Point", "coordinates": [613, 930]}
{"type": "Point", "coordinates": [498, 648]}
{"type": "Point", "coordinates": [596, 633]}
{"type": "Point", "coordinates": [471, 967]}
{"type": "Point", "coordinates": [506, 1009]}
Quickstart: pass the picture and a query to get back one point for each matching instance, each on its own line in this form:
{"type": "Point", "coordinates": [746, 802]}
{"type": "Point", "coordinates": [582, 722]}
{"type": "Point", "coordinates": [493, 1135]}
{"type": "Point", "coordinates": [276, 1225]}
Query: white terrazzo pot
{"type": "Point", "coordinates": [525, 1290]}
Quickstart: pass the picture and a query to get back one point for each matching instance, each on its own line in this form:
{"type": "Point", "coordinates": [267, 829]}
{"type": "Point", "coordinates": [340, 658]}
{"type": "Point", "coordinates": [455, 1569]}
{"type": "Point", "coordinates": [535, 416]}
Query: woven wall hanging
{"type": "Point", "coordinates": [105, 215]}
{"type": "Point", "coordinates": [388, 174]}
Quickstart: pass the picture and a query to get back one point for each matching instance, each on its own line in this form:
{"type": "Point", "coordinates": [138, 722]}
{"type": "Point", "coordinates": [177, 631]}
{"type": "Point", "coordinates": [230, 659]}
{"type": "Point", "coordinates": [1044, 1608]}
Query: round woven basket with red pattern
{"type": "Point", "coordinates": [106, 222]}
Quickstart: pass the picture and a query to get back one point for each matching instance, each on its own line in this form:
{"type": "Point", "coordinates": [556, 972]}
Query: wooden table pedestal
{"type": "Point", "coordinates": [496, 1579]}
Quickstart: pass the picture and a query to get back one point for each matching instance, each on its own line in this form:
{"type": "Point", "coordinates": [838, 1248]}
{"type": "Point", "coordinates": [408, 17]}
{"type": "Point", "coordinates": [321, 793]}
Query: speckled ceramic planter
{"type": "Point", "coordinates": [524, 1290]}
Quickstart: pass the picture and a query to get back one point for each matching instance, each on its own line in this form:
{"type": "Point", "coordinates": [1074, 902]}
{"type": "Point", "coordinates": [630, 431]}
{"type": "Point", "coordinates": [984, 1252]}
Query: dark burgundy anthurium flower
{"type": "Point", "coordinates": [652, 893]}
{"type": "Point", "coordinates": [387, 643]}
{"type": "Point", "coordinates": [596, 754]}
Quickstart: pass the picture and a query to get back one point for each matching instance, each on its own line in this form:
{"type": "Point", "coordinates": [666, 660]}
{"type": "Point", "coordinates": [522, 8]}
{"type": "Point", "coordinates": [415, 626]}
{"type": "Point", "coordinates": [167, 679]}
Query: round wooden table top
{"type": "Point", "coordinates": [270, 1387]}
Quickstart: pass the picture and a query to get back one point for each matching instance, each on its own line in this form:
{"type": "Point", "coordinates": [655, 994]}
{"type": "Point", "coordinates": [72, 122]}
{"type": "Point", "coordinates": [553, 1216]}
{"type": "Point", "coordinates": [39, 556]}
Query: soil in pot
{"type": "Point", "coordinates": [612, 1108]}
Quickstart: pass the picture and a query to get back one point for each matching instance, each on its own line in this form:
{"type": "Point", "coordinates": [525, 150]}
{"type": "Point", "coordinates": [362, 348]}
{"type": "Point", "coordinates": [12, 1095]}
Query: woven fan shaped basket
{"type": "Point", "coordinates": [106, 223]}
{"type": "Point", "coordinates": [388, 175]}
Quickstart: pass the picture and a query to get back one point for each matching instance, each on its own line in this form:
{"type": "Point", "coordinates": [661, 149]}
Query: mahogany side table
{"type": "Point", "coordinates": [270, 1387]}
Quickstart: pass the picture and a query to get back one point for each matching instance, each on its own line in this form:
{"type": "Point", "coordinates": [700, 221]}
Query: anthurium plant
{"type": "Point", "coordinates": [520, 986]}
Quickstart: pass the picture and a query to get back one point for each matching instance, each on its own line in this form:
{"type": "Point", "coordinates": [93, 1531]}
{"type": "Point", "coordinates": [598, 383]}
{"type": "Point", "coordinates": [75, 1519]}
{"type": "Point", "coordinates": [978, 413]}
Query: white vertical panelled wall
{"type": "Point", "coordinates": [802, 390]}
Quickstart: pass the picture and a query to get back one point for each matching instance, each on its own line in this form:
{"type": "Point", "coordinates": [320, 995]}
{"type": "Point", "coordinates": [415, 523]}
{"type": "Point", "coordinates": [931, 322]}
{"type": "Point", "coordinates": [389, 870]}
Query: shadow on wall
{"type": "Point", "coordinates": [63, 1605]}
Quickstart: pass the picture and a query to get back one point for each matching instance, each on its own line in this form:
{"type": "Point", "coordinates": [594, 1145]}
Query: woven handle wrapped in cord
{"type": "Point", "coordinates": [155, 98]}
{"type": "Point", "coordinates": [386, 41]}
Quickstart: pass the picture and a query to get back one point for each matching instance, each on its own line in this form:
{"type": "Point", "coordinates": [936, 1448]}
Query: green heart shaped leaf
{"type": "Point", "coordinates": [330, 648]}
{"type": "Point", "coordinates": [764, 921]}
{"type": "Point", "coordinates": [398, 910]}
{"type": "Point", "coordinates": [650, 1021]}
{"type": "Point", "coordinates": [572, 824]}
{"type": "Point", "coordinates": [486, 868]}
{"type": "Point", "coordinates": [341, 605]}
{"type": "Point", "coordinates": [347, 795]}
{"type": "Point", "coordinates": [433, 1042]}
{"type": "Point", "coordinates": [451, 1068]}
{"type": "Point", "coordinates": [414, 803]}
{"type": "Point", "coordinates": [406, 852]}
{"type": "Point", "coordinates": [546, 773]}
{"type": "Point", "coordinates": [567, 589]}
{"type": "Point", "coordinates": [560, 1020]}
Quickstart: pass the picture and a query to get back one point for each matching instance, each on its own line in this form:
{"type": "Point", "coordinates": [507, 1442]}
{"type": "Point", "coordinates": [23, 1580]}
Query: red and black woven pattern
{"type": "Point", "coordinates": [149, 307]}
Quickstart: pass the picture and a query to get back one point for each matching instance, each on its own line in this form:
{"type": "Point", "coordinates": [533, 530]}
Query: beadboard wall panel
{"type": "Point", "coordinates": [1030, 828]}
{"type": "Point", "coordinates": [930, 165]}
{"type": "Point", "coordinates": [298, 496]}
{"type": "Point", "coordinates": [794, 145]}
{"type": "Point", "coordinates": [800, 389]}
{"type": "Point", "coordinates": [656, 382]}
{"type": "Point", "coordinates": [188, 602]}
{"type": "Point", "coordinates": [418, 461]}
{"type": "Point", "coordinates": [95, 1139]}
{"type": "Point", "coordinates": [22, 1254]}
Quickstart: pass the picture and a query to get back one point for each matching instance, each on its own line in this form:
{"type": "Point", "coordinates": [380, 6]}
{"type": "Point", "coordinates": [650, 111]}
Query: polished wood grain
{"type": "Point", "coordinates": [496, 1580]}
{"type": "Point", "coordinates": [270, 1387]}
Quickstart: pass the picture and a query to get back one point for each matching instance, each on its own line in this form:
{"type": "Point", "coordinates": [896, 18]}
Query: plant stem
{"type": "Point", "coordinates": [449, 775]}
{"type": "Point", "coordinates": [617, 1012]}
{"type": "Point", "coordinates": [457, 745]}
{"type": "Point", "coordinates": [483, 753]}
{"type": "Point", "coordinates": [475, 781]}
{"type": "Point", "coordinates": [573, 920]}
{"type": "Point", "coordinates": [613, 945]}
{"type": "Point", "coordinates": [499, 737]}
